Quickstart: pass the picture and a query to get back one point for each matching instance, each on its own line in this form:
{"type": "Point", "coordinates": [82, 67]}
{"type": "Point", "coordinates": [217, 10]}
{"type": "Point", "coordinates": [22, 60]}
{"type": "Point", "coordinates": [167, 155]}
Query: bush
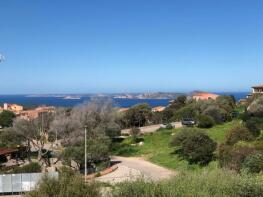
{"type": "Point", "coordinates": [216, 183]}
{"type": "Point", "coordinates": [238, 134]}
{"type": "Point", "coordinates": [169, 126]}
{"type": "Point", "coordinates": [254, 163]}
{"type": "Point", "coordinates": [219, 115]}
{"type": "Point", "coordinates": [256, 107]}
{"type": "Point", "coordinates": [254, 124]}
{"type": "Point", "coordinates": [6, 118]}
{"type": "Point", "coordinates": [194, 146]}
{"type": "Point", "coordinates": [135, 132]}
{"type": "Point", "coordinates": [205, 121]}
{"type": "Point", "coordinates": [233, 158]}
{"type": "Point", "coordinates": [188, 111]}
{"type": "Point", "coordinates": [29, 168]}
{"type": "Point", "coordinates": [66, 185]}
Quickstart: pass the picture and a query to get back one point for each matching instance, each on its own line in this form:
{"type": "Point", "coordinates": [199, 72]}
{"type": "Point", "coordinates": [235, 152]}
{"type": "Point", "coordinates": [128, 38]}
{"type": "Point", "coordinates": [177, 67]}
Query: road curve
{"type": "Point", "coordinates": [131, 168]}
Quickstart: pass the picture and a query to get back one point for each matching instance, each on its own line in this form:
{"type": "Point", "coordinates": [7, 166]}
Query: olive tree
{"type": "Point", "coordinates": [98, 117]}
{"type": "Point", "coordinates": [34, 132]}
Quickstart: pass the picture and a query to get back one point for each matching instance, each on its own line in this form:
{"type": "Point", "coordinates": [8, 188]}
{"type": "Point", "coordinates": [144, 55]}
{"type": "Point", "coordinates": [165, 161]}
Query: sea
{"type": "Point", "coordinates": [33, 101]}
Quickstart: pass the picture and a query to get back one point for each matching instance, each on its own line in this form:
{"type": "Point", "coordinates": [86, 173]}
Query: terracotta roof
{"type": "Point", "coordinates": [204, 96]}
{"type": "Point", "coordinates": [4, 151]}
{"type": "Point", "coordinates": [258, 86]}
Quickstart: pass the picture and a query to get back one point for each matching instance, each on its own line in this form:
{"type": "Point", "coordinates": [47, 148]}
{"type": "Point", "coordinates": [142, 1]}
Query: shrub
{"type": "Point", "coordinates": [29, 168]}
{"type": "Point", "coordinates": [66, 185]}
{"type": "Point", "coordinates": [135, 132]}
{"type": "Point", "coordinates": [254, 124]}
{"type": "Point", "coordinates": [188, 111]}
{"type": "Point", "coordinates": [256, 107]}
{"type": "Point", "coordinates": [254, 163]}
{"type": "Point", "coordinates": [219, 115]}
{"type": "Point", "coordinates": [233, 158]}
{"type": "Point", "coordinates": [238, 134]}
{"type": "Point", "coordinates": [216, 183]}
{"type": "Point", "coordinates": [194, 146]}
{"type": "Point", "coordinates": [205, 121]}
{"type": "Point", "coordinates": [169, 126]}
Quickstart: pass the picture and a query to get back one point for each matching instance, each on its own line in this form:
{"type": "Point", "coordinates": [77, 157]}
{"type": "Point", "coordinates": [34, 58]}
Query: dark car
{"type": "Point", "coordinates": [188, 122]}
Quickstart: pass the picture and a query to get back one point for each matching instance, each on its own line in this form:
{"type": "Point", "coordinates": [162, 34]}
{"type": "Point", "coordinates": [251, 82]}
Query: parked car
{"type": "Point", "coordinates": [188, 122]}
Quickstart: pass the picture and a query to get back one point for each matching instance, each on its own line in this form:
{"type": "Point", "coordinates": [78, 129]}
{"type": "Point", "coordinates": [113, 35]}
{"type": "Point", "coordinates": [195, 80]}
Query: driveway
{"type": "Point", "coordinates": [151, 128]}
{"type": "Point", "coordinates": [132, 168]}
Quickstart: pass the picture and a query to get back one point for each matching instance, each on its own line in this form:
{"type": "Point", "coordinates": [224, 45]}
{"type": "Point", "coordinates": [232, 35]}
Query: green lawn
{"type": "Point", "coordinates": [157, 150]}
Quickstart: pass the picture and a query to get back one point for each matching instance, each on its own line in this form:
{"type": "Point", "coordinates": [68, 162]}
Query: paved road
{"type": "Point", "coordinates": [151, 128]}
{"type": "Point", "coordinates": [132, 168]}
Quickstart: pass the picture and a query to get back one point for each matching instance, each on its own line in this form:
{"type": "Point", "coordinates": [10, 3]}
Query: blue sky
{"type": "Point", "coordinates": [58, 46]}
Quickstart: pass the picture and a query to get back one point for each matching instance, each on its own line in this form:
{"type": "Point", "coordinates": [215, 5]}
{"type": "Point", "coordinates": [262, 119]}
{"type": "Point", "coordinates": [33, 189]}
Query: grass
{"type": "Point", "coordinates": [157, 150]}
{"type": "Point", "coordinates": [219, 132]}
{"type": "Point", "coordinates": [216, 183]}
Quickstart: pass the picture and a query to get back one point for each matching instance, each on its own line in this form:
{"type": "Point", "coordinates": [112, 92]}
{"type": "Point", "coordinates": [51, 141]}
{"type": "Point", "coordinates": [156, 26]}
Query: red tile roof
{"type": "Point", "coordinates": [258, 86]}
{"type": "Point", "coordinates": [4, 151]}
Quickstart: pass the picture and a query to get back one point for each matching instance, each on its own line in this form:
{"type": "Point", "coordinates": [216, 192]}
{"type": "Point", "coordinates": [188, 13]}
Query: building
{"type": "Point", "coordinates": [257, 89]}
{"type": "Point", "coordinates": [35, 113]}
{"type": "Point", "coordinates": [204, 96]}
{"type": "Point", "coordinates": [13, 107]}
{"type": "Point", "coordinates": [123, 109]}
{"type": "Point", "coordinates": [158, 109]}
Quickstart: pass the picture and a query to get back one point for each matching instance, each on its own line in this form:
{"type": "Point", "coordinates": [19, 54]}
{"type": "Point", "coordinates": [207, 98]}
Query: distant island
{"type": "Point", "coordinates": [154, 95]}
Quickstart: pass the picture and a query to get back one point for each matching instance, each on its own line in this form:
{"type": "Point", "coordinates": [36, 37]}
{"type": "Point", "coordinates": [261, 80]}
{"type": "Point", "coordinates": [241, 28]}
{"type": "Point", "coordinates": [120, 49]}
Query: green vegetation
{"type": "Point", "coordinates": [194, 146]}
{"type": "Point", "coordinates": [66, 185]}
{"type": "Point", "coordinates": [32, 167]}
{"type": "Point", "coordinates": [156, 147]}
{"type": "Point", "coordinates": [216, 183]}
{"type": "Point", "coordinates": [205, 121]}
{"type": "Point", "coordinates": [6, 118]}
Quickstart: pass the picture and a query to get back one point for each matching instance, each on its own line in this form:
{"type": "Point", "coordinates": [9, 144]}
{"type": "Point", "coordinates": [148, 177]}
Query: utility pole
{"type": "Point", "coordinates": [85, 153]}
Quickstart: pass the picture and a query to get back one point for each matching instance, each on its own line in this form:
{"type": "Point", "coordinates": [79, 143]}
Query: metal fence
{"type": "Point", "coordinates": [17, 183]}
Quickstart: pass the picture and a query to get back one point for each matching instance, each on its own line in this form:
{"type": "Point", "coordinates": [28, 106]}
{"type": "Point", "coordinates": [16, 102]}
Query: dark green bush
{"type": "Point", "coordinates": [218, 114]}
{"type": "Point", "coordinates": [205, 121]}
{"type": "Point", "coordinates": [194, 146]}
{"type": "Point", "coordinates": [254, 163]}
{"type": "Point", "coordinates": [238, 134]}
{"type": "Point", "coordinates": [254, 125]}
{"type": "Point", "coordinates": [169, 126]}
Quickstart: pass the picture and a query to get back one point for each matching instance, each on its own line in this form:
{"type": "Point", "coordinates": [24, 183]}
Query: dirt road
{"type": "Point", "coordinates": [132, 168]}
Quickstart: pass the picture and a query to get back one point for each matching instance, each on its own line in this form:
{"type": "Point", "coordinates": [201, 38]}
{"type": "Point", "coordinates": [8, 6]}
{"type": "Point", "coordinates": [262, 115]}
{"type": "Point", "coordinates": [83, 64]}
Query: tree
{"type": "Point", "coordinates": [99, 118]}
{"type": "Point", "coordinates": [218, 114]}
{"type": "Point", "coordinates": [188, 111]}
{"type": "Point", "coordinates": [194, 146]}
{"type": "Point", "coordinates": [6, 118]}
{"type": "Point", "coordinates": [138, 115]}
{"type": "Point", "coordinates": [9, 138]}
{"type": "Point", "coordinates": [34, 132]}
